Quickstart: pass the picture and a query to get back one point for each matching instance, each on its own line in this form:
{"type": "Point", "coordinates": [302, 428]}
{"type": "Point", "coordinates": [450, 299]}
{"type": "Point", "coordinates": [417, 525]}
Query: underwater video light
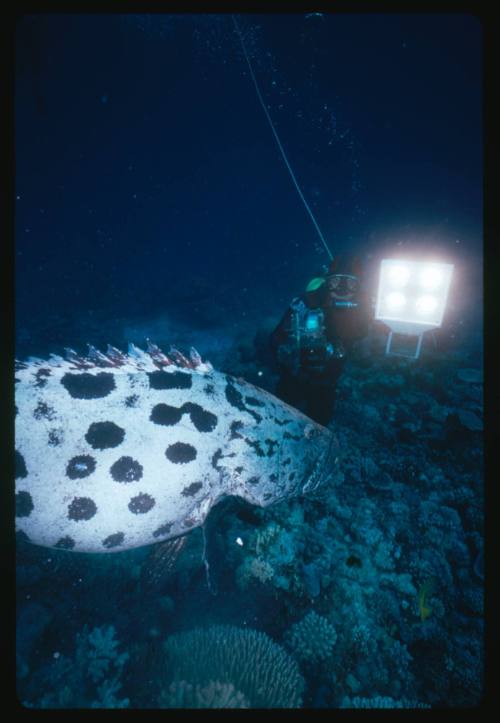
{"type": "Point", "coordinates": [395, 300]}
{"type": "Point", "coordinates": [412, 297]}
{"type": "Point", "coordinates": [399, 274]}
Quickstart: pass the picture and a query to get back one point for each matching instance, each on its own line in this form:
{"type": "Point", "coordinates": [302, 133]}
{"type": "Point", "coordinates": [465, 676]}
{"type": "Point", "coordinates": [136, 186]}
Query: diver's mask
{"type": "Point", "coordinates": [342, 288]}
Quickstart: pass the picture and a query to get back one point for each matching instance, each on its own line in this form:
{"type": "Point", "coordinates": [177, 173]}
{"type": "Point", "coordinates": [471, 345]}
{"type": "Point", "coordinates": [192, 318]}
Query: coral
{"type": "Point", "coordinates": [365, 553]}
{"type": "Point", "coordinates": [380, 701]}
{"type": "Point", "coordinates": [254, 567]}
{"type": "Point", "coordinates": [312, 638]}
{"type": "Point", "coordinates": [32, 620]}
{"type": "Point", "coordinates": [400, 660]}
{"type": "Point", "coordinates": [362, 640]}
{"type": "Point", "coordinates": [473, 601]}
{"type": "Point", "coordinates": [276, 544]}
{"type": "Point", "coordinates": [248, 659]}
{"type": "Point", "coordinates": [214, 694]}
{"type": "Point", "coordinates": [91, 678]}
{"type": "Point", "coordinates": [276, 551]}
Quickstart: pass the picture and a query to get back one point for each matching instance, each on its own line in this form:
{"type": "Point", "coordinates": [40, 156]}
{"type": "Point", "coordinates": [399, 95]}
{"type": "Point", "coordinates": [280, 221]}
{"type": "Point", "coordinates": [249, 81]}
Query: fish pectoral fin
{"type": "Point", "coordinates": [161, 562]}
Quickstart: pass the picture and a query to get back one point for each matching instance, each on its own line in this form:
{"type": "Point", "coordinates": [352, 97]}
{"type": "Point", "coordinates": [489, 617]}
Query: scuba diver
{"type": "Point", "coordinates": [315, 335]}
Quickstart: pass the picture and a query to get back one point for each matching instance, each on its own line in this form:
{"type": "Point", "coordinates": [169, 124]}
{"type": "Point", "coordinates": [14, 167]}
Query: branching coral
{"type": "Point", "coordinates": [91, 678]}
{"type": "Point", "coordinates": [312, 638]}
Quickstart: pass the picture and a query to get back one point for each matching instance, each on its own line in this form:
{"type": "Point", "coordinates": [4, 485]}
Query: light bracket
{"type": "Point", "coordinates": [412, 298]}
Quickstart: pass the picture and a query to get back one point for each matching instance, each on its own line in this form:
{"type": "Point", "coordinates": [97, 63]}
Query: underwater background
{"type": "Point", "coordinates": [152, 203]}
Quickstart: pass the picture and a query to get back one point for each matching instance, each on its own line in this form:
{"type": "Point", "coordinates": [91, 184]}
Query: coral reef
{"type": "Point", "coordinates": [90, 678]}
{"type": "Point", "coordinates": [376, 587]}
{"type": "Point", "coordinates": [249, 660]}
{"type": "Point", "coordinates": [380, 701]}
{"type": "Point", "coordinates": [213, 694]}
{"type": "Point", "coordinates": [312, 639]}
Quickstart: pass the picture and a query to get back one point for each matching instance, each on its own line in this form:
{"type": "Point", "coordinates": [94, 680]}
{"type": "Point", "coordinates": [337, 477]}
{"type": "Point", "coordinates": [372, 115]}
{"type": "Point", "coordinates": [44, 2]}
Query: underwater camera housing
{"type": "Point", "coordinates": [314, 355]}
{"type": "Point", "coordinates": [315, 350]}
{"type": "Point", "coordinates": [412, 298]}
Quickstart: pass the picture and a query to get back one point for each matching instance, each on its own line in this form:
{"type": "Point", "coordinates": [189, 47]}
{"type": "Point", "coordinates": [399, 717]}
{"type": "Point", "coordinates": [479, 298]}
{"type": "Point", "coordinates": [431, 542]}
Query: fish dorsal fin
{"type": "Point", "coordinates": [135, 358]}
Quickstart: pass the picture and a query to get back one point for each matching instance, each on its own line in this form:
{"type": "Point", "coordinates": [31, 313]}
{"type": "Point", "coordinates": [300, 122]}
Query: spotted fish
{"type": "Point", "coordinates": [115, 450]}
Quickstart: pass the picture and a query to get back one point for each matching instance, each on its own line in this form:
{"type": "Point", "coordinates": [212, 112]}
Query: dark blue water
{"type": "Point", "coordinates": [153, 202]}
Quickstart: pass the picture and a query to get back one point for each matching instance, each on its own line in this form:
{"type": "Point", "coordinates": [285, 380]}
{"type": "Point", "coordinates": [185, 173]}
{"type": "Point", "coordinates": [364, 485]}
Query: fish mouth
{"type": "Point", "coordinates": [324, 467]}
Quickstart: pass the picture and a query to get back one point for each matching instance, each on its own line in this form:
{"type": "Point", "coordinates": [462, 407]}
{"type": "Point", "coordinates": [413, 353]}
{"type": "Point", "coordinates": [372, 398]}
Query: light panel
{"type": "Point", "coordinates": [412, 294]}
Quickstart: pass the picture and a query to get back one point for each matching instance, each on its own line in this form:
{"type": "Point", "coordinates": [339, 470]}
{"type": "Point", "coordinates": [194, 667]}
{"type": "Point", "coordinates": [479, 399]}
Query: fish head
{"type": "Point", "coordinates": [276, 452]}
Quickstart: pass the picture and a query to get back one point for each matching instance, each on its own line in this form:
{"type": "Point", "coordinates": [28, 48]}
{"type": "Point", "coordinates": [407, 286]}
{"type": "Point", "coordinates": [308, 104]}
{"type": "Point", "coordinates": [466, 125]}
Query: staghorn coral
{"type": "Point", "coordinates": [312, 638]}
{"type": "Point", "coordinates": [248, 659]}
{"type": "Point", "coordinates": [214, 694]}
{"type": "Point", "coordinates": [91, 678]}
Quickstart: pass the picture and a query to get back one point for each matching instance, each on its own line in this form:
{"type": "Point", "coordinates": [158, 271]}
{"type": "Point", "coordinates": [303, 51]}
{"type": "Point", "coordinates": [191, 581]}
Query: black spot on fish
{"type": "Point", "coordinates": [216, 457]}
{"type": "Point", "coordinates": [65, 543]}
{"type": "Point", "coordinates": [141, 504]}
{"type": "Point", "coordinates": [165, 414]}
{"type": "Point", "coordinates": [163, 530]}
{"type": "Point", "coordinates": [203, 421]}
{"type": "Point", "coordinates": [180, 453]}
{"type": "Point", "coordinates": [291, 476]}
{"type": "Point", "coordinates": [126, 469]}
{"type": "Point", "coordinates": [193, 488]}
{"type": "Point", "coordinates": [88, 386]}
{"type": "Point", "coordinates": [113, 540]}
{"type": "Point", "coordinates": [273, 477]}
{"type": "Point", "coordinates": [296, 437]}
{"type": "Point", "coordinates": [253, 481]}
{"type": "Point", "coordinates": [41, 377]}
{"type": "Point", "coordinates": [132, 400]}
{"type": "Point", "coordinates": [235, 427]}
{"type": "Point", "coordinates": [235, 399]}
{"type": "Point", "coordinates": [133, 379]}
{"type": "Point", "coordinates": [209, 389]}
{"type": "Point", "coordinates": [282, 422]}
{"type": "Point", "coordinates": [43, 411]}
{"type": "Point", "coordinates": [238, 470]}
{"type": "Point", "coordinates": [271, 443]}
{"type": "Point", "coordinates": [103, 435]}
{"type": "Point", "coordinates": [55, 437]}
{"type": "Point", "coordinates": [21, 470]}
{"type": "Point", "coordinates": [255, 444]}
{"type": "Point", "coordinates": [254, 402]}
{"type": "Point", "coordinates": [24, 504]}
{"type": "Point", "coordinates": [82, 508]}
{"type": "Point", "coordinates": [267, 496]}
{"type": "Point", "coordinates": [80, 466]}
{"type": "Point", "coordinates": [169, 380]}
{"type": "Point", "coordinates": [287, 461]}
